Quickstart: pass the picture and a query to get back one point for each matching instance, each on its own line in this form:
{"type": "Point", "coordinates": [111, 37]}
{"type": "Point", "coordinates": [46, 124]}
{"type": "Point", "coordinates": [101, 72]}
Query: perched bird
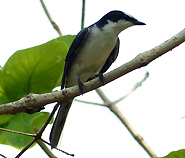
{"type": "Point", "coordinates": [92, 52]}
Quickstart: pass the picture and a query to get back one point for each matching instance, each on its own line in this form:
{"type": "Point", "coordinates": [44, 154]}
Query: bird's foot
{"type": "Point", "coordinates": [80, 85]}
{"type": "Point", "coordinates": [100, 75]}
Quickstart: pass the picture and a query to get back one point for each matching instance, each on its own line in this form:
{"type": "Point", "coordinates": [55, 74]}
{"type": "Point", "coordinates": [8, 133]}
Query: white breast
{"type": "Point", "coordinates": [92, 55]}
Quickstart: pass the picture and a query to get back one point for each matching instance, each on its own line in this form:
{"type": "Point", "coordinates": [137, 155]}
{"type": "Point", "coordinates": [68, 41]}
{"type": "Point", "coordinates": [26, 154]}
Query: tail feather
{"type": "Point", "coordinates": [59, 122]}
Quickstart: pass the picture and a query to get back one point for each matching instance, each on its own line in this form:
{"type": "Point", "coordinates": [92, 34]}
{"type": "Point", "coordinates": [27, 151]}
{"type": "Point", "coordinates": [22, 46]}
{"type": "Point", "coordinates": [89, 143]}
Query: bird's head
{"type": "Point", "coordinates": [118, 21]}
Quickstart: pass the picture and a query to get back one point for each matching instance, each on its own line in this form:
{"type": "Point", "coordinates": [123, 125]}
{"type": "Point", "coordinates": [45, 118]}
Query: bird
{"type": "Point", "coordinates": [90, 55]}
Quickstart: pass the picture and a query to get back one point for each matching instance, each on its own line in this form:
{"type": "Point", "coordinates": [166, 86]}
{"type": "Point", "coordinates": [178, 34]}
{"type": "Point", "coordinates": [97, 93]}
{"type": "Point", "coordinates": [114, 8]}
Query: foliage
{"type": "Point", "coordinates": [34, 70]}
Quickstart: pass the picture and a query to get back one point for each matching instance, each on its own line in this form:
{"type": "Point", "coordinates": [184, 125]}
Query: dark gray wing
{"type": "Point", "coordinates": [112, 57]}
{"type": "Point", "coordinates": [75, 46]}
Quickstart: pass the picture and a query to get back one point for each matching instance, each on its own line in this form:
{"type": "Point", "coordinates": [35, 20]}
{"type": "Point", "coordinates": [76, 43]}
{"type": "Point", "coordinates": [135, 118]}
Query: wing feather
{"type": "Point", "coordinates": [73, 50]}
{"type": "Point", "coordinates": [112, 57]}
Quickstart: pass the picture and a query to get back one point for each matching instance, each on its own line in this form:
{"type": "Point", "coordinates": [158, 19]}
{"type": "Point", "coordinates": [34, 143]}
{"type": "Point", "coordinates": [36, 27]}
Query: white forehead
{"type": "Point", "coordinates": [128, 14]}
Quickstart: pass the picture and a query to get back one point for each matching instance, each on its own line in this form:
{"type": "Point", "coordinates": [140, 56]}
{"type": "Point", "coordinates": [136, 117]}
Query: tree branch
{"type": "Point", "coordinates": [132, 131]}
{"type": "Point", "coordinates": [83, 14]}
{"type": "Point", "coordinates": [50, 19]}
{"type": "Point", "coordinates": [115, 110]}
{"type": "Point", "coordinates": [32, 101]}
{"type": "Point", "coordinates": [3, 156]}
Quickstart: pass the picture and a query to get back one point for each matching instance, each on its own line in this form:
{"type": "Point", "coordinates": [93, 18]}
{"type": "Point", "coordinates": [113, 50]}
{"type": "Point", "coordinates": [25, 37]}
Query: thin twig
{"type": "Point", "coordinates": [38, 135]}
{"type": "Point", "coordinates": [83, 14]}
{"type": "Point", "coordinates": [50, 19]}
{"type": "Point", "coordinates": [132, 131]}
{"type": "Point", "coordinates": [133, 89]}
{"type": "Point", "coordinates": [3, 156]}
{"type": "Point", "coordinates": [17, 132]}
{"type": "Point", "coordinates": [88, 102]}
{"type": "Point", "coordinates": [58, 148]}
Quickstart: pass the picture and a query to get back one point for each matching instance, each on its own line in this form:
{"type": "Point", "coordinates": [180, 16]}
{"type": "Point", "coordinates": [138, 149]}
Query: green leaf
{"type": "Point", "coordinates": [68, 39]}
{"type": "Point", "coordinates": [3, 98]}
{"type": "Point", "coordinates": [176, 154]}
{"type": "Point", "coordinates": [4, 118]}
{"type": "Point", "coordinates": [35, 69]}
{"type": "Point", "coordinates": [39, 121]}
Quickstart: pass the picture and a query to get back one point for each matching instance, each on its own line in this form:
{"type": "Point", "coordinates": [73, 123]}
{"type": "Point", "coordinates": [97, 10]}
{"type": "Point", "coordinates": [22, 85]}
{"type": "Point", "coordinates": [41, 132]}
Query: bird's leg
{"type": "Point", "coordinates": [100, 75]}
{"type": "Point", "coordinates": [80, 84]}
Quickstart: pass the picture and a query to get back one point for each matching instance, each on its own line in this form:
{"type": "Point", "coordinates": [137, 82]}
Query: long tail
{"type": "Point", "coordinates": [59, 122]}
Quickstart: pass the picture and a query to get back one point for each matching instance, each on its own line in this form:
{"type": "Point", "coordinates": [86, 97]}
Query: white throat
{"type": "Point", "coordinates": [118, 26]}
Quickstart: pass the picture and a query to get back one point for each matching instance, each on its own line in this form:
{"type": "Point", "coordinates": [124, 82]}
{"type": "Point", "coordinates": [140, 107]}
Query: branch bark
{"type": "Point", "coordinates": [32, 101]}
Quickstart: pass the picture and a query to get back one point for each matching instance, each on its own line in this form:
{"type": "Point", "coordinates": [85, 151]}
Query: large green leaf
{"type": "Point", "coordinates": [35, 69]}
{"type": "Point", "coordinates": [38, 70]}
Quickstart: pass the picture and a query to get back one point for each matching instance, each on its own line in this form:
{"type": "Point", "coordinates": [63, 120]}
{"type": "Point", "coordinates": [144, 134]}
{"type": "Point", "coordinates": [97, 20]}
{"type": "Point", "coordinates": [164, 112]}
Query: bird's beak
{"type": "Point", "coordinates": [138, 23]}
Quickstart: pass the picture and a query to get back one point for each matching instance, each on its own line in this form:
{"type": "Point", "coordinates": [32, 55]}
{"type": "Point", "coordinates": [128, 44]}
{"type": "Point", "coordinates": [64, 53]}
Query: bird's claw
{"type": "Point", "coordinates": [100, 75]}
{"type": "Point", "coordinates": [80, 85]}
